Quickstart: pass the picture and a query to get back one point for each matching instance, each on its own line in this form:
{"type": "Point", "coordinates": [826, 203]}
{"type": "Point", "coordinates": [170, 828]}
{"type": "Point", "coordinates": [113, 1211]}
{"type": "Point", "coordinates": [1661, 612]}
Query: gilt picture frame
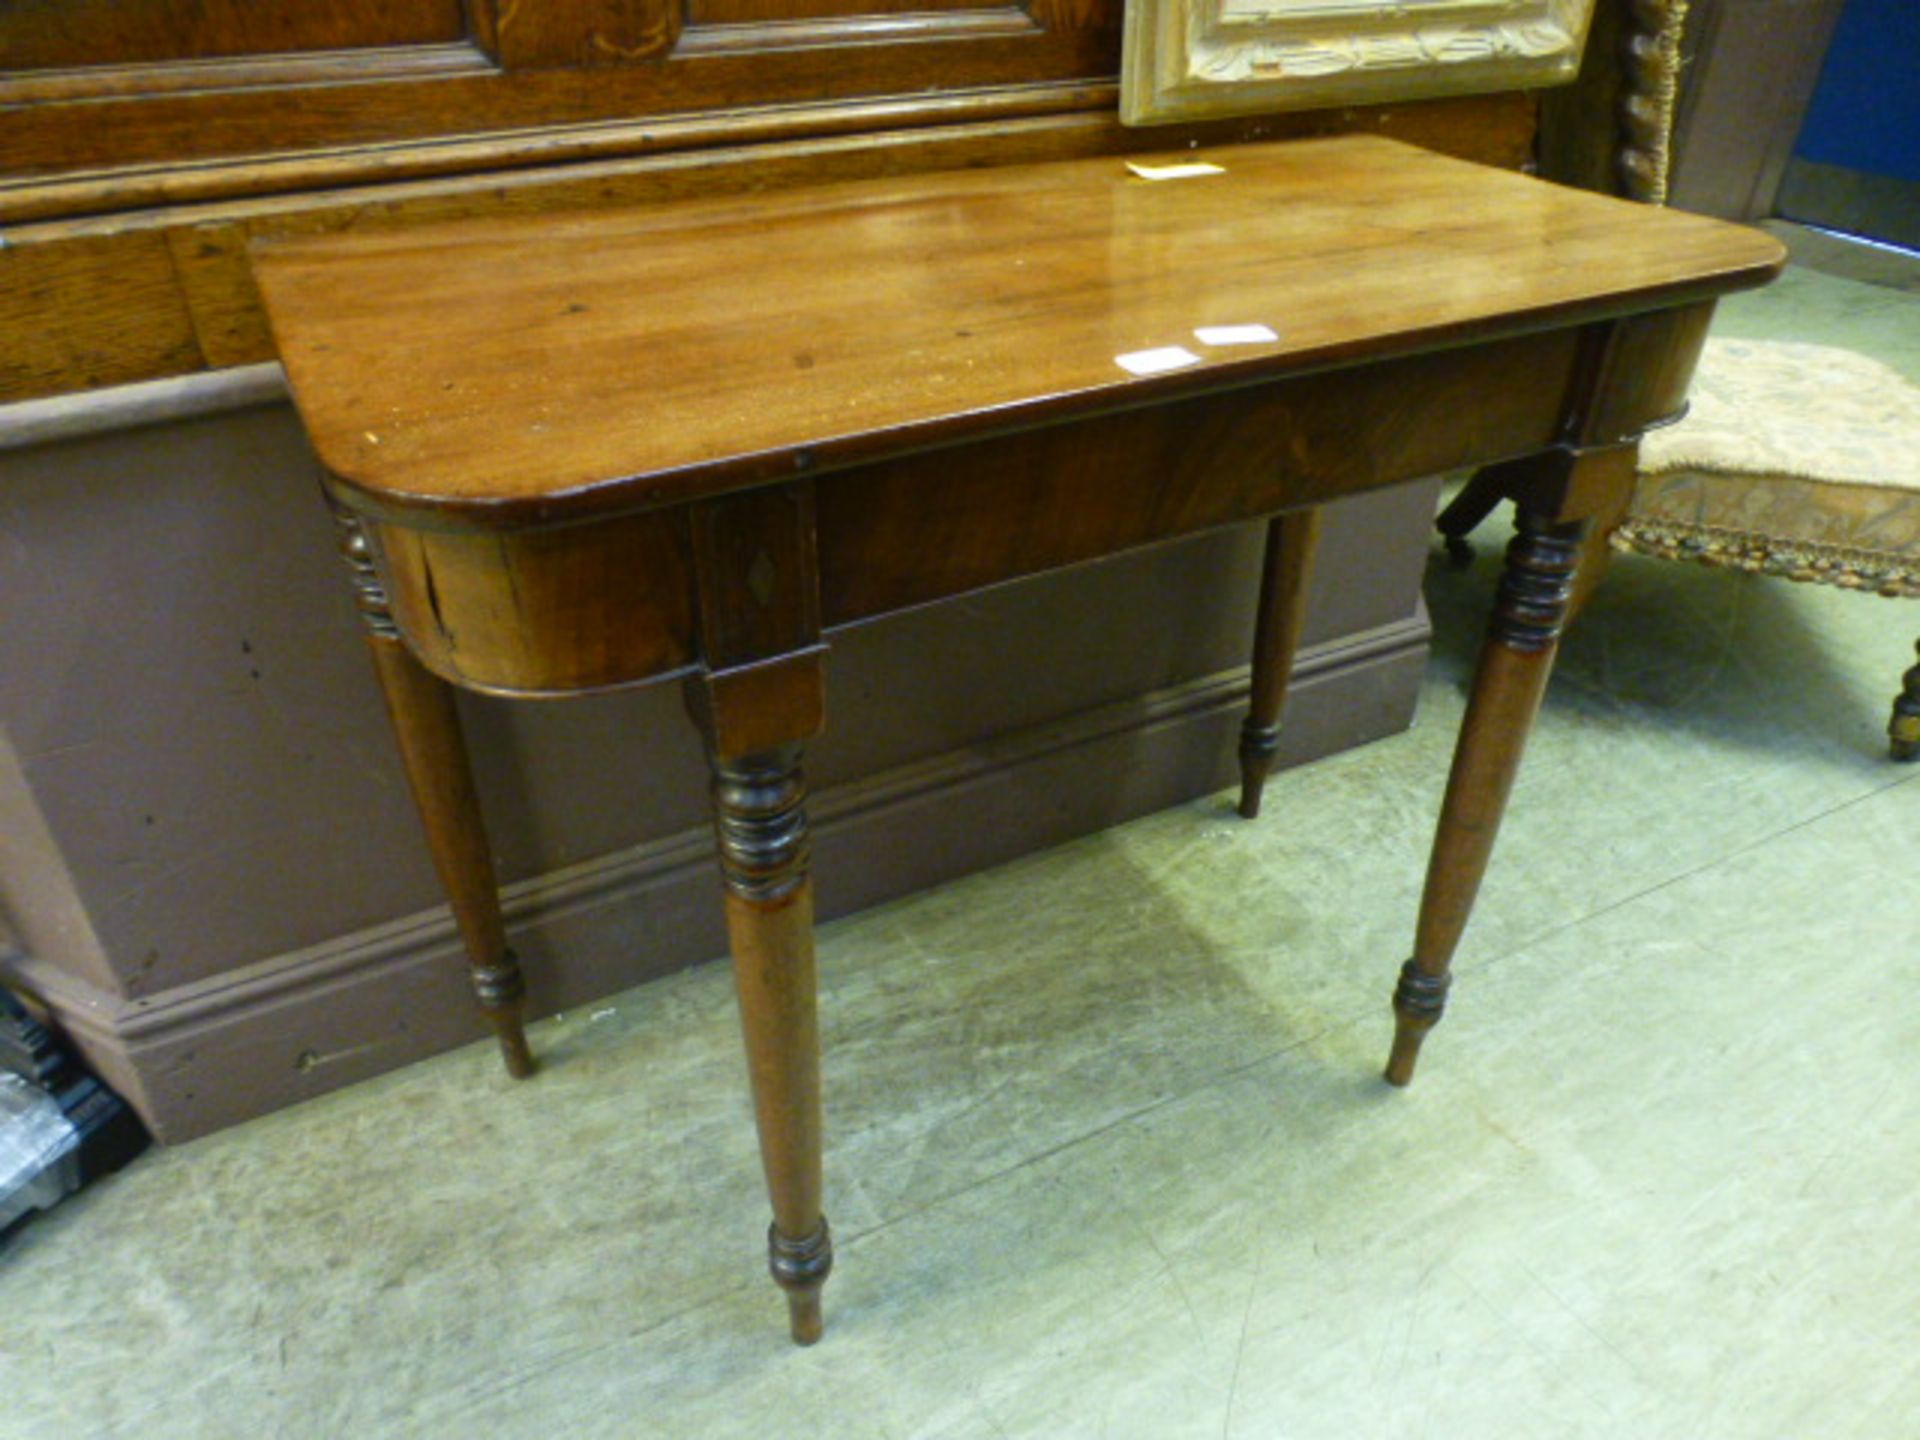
{"type": "Point", "coordinates": [1198, 59]}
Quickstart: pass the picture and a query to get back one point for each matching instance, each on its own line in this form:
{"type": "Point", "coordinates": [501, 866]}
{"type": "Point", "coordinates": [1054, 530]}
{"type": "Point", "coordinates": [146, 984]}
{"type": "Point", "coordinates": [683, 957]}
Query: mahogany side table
{"type": "Point", "coordinates": [692, 440]}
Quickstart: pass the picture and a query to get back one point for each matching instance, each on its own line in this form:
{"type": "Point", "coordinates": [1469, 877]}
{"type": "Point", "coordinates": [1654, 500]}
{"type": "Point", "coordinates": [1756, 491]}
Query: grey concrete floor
{"type": "Point", "coordinates": [1109, 1154]}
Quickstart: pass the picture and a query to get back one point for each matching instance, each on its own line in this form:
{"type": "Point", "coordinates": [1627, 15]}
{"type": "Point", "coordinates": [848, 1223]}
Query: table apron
{"type": "Point", "coordinates": [567, 609]}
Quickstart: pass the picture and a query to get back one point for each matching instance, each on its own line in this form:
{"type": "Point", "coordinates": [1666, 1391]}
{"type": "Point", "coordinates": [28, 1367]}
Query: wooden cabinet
{"type": "Point", "coordinates": [172, 81]}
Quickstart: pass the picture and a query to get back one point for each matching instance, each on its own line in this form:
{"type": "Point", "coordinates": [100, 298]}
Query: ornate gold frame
{"type": "Point", "coordinates": [1193, 59]}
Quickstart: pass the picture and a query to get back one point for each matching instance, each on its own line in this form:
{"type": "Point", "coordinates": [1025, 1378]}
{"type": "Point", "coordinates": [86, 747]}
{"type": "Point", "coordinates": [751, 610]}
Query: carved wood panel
{"type": "Point", "coordinates": [428, 70]}
{"type": "Point", "coordinates": [760, 12]}
{"type": "Point", "coordinates": [524, 35]}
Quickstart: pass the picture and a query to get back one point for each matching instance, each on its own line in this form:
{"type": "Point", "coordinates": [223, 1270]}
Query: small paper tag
{"type": "Point", "coordinates": [1178, 170]}
{"type": "Point", "coordinates": [1152, 362]}
{"type": "Point", "coordinates": [1235, 334]}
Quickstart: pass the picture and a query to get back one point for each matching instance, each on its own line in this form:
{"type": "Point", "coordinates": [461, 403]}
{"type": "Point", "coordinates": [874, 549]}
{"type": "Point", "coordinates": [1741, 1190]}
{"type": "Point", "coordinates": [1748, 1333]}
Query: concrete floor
{"type": "Point", "coordinates": [1109, 1154]}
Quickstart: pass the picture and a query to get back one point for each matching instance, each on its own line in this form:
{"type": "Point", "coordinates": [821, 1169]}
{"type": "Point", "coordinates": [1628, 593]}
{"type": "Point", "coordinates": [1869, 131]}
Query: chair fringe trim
{"type": "Point", "coordinates": [1842, 565]}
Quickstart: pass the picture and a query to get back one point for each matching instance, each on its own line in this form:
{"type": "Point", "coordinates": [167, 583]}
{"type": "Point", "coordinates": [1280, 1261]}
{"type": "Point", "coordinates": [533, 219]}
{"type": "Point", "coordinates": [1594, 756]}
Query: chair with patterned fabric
{"type": "Point", "coordinates": [1794, 459]}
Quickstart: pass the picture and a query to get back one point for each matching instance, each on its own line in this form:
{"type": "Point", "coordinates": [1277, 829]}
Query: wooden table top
{"type": "Point", "coordinates": [529, 370]}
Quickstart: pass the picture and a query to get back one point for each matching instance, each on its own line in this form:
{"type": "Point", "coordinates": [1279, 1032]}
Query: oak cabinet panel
{"type": "Point", "coordinates": [172, 84]}
{"type": "Point", "coordinates": [69, 34]}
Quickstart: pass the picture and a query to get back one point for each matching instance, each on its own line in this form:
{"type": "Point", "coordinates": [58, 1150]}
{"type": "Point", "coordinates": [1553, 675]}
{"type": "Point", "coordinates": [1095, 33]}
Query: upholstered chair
{"type": "Point", "coordinates": [1796, 460]}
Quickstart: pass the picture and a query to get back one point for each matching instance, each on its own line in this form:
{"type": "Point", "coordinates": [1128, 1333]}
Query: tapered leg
{"type": "Point", "coordinates": [761, 693]}
{"type": "Point", "coordinates": [1465, 512]}
{"type": "Point", "coordinates": [434, 753]}
{"type": "Point", "coordinates": [1903, 731]}
{"type": "Point", "coordinates": [1512, 677]}
{"type": "Point", "coordinates": [760, 816]}
{"type": "Point", "coordinates": [1291, 542]}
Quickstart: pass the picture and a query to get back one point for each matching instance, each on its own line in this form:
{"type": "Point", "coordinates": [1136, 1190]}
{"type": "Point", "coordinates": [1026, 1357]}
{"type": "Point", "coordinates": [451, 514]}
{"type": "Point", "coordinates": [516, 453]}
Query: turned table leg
{"type": "Point", "coordinates": [760, 694]}
{"type": "Point", "coordinates": [1903, 730]}
{"type": "Point", "coordinates": [1507, 688]}
{"type": "Point", "coordinates": [434, 754]}
{"type": "Point", "coordinates": [759, 804]}
{"type": "Point", "coordinates": [1284, 577]}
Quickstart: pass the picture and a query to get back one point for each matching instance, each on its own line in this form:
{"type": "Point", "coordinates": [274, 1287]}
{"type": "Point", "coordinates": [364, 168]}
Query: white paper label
{"type": "Point", "coordinates": [1179, 170]}
{"type": "Point", "coordinates": [1152, 362]}
{"type": "Point", "coordinates": [1235, 334]}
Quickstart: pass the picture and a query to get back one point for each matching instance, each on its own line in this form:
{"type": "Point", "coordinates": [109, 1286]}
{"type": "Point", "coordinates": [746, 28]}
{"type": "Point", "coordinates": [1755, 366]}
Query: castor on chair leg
{"type": "Point", "coordinates": [1903, 731]}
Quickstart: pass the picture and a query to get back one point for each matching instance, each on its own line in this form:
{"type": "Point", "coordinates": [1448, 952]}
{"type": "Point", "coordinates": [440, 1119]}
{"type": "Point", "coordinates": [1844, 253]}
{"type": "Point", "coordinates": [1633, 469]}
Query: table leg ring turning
{"type": "Point", "coordinates": [502, 995]}
{"type": "Point", "coordinates": [1419, 1000]}
{"type": "Point", "coordinates": [1259, 744]}
{"type": "Point", "coordinates": [800, 1267]}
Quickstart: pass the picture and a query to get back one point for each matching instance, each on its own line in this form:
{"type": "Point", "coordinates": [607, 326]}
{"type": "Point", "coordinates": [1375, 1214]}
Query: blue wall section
{"type": "Point", "coordinates": [1866, 111]}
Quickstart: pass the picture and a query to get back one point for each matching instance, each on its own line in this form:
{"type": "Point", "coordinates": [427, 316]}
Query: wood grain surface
{"type": "Point", "coordinates": [59, 34]}
{"type": "Point", "coordinates": [529, 372]}
{"type": "Point", "coordinates": [110, 231]}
